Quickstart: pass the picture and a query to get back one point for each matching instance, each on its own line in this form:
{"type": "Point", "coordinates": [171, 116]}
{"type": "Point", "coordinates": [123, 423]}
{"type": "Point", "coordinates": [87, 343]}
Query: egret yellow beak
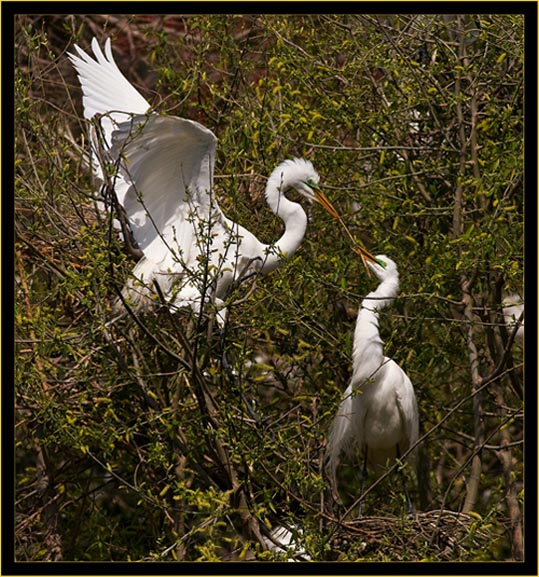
{"type": "Point", "coordinates": [320, 197]}
{"type": "Point", "coordinates": [365, 255]}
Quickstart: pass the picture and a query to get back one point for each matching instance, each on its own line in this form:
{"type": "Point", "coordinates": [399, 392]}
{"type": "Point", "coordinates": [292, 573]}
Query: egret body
{"type": "Point", "coordinates": [378, 414]}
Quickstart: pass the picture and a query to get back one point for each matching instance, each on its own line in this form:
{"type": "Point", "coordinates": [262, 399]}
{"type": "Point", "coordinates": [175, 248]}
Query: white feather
{"type": "Point", "coordinates": [284, 540]}
{"type": "Point", "coordinates": [378, 414]}
{"type": "Point", "coordinates": [164, 181]}
{"type": "Point", "coordinates": [513, 307]}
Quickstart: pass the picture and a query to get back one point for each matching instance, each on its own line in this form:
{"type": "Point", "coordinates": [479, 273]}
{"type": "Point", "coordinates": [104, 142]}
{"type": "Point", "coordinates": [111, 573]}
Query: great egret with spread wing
{"type": "Point", "coordinates": [163, 179]}
{"type": "Point", "coordinates": [378, 414]}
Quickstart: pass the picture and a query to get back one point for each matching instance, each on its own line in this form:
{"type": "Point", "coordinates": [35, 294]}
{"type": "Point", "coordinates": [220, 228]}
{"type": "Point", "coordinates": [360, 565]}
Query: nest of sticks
{"type": "Point", "coordinates": [438, 535]}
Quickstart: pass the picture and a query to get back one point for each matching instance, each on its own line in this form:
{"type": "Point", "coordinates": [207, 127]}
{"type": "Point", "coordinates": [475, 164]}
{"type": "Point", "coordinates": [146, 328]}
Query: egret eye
{"type": "Point", "coordinates": [311, 183]}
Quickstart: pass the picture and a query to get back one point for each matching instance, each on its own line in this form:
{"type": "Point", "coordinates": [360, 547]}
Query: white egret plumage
{"type": "Point", "coordinates": [163, 178]}
{"type": "Point", "coordinates": [378, 414]}
{"type": "Point", "coordinates": [285, 540]}
{"type": "Point", "coordinates": [513, 309]}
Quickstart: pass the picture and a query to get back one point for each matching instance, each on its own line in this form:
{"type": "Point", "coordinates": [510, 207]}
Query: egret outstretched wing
{"type": "Point", "coordinates": [106, 91]}
{"type": "Point", "coordinates": [166, 168]}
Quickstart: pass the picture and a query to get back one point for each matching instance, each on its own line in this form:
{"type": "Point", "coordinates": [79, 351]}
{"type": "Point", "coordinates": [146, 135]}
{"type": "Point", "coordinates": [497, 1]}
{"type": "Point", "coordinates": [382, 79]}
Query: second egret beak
{"type": "Point", "coordinates": [365, 255]}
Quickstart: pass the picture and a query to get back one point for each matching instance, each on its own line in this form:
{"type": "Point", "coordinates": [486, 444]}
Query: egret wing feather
{"type": "Point", "coordinates": [106, 95]}
{"type": "Point", "coordinates": [340, 434]}
{"type": "Point", "coordinates": [106, 91]}
{"type": "Point", "coordinates": [166, 164]}
{"type": "Point", "coordinates": [409, 413]}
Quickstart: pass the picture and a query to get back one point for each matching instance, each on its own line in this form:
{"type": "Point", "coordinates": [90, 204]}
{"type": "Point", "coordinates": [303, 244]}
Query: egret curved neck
{"type": "Point", "coordinates": [295, 222]}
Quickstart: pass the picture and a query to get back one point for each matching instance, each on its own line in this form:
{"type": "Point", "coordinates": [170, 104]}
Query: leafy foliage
{"type": "Point", "coordinates": [134, 439]}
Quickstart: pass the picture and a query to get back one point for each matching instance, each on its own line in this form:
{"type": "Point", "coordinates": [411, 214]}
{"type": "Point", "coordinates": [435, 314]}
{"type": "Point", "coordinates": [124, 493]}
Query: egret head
{"type": "Point", "coordinates": [309, 189]}
{"type": "Point", "coordinates": [384, 267]}
{"type": "Point", "coordinates": [300, 174]}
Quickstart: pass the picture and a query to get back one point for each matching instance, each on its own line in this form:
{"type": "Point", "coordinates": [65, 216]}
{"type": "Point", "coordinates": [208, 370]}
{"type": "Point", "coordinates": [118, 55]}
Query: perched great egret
{"type": "Point", "coordinates": [163, 178]}
{"type": "Point", "coordinates": [378, 414]}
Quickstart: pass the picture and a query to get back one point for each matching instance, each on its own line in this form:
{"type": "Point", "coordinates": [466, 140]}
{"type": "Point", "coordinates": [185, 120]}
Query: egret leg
{"type": "Point", "coordinates": [411, 508]}
{"type": "Point", "coordinates": [363, 477]}
{"type": "Point", "coordinates": [232, 377]}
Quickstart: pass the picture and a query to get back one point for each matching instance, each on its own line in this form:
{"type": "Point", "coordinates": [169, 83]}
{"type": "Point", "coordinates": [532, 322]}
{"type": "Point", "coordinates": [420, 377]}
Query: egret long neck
{"type": "Point", "coordinates": [295, 222]}
{"type": "Point", "coordinates": [368, 345]}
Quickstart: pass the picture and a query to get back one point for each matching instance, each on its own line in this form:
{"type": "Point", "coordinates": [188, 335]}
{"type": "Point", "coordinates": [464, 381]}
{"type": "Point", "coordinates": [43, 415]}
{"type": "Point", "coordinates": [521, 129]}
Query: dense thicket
{"type": "Point", "coordinates": [133, 441]}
